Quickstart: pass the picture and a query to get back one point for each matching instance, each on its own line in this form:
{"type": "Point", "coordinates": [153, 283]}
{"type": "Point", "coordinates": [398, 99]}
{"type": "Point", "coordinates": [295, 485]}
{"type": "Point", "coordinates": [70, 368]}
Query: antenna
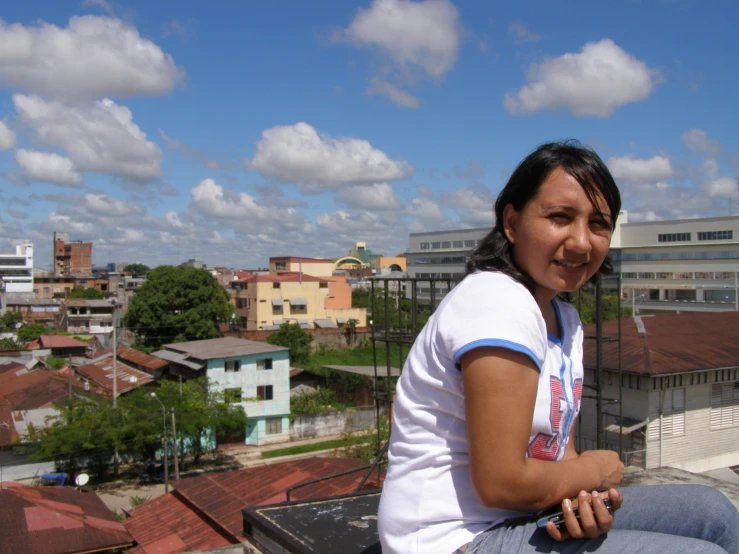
{"type": "Point", "coordinates": [82, 479]}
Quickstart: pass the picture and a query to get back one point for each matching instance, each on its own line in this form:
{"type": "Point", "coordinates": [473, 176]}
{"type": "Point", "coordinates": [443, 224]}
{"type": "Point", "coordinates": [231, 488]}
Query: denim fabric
{"type": "Point", "coordinates": [657, 519]}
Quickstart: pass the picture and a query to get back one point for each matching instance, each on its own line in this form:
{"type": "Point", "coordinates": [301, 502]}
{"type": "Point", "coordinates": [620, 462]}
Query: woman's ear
{"type": "Point", "coordinates": [510, 222]}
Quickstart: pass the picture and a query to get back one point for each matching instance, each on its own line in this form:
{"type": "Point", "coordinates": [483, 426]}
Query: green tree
{"type": "Point", "coordinates": [9, 321]}
{"type": "Point", "coordinates": [137, 270]}
{"type": "Point", "coordinates": [9, 345]}
{"type": "Point", "coordinates": [86, 293]}
{"type": "Point", "coordinates": [294, 337]}
{"type": "Point", "coordinates": [177, 304]}
{"type": "Point", "coordinates": [32, 331]}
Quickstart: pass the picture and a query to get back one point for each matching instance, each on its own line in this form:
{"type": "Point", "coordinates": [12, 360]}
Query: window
{"type": "Point", "coordinates": [673, 413]}
{"type": "Point", "coordinates": [275, 285]}
{"type": "Point", "coordinates": [322, 285]}
{"type": "Point", "coordinates": [665, 275]}
{"type": "Point", "coordinates": [280, 266]}
{"type": "Point", "coordinates": [233, 365]}
{"type": "Point", "coordinates": [458, 244]}
{"type": "Point", "coordinates": [424, 246]}
{"type": "Point", "coordinates": [47, 290]}
{"type": "Point", "coordinates": [232, 396]}
{"type": "Point", "coordinates": [264, 392]}
{"type": "Point", "coordinates": [470, 243]}
{"type": "Point", "coordinates": [646, 275]}
{"type": "Point", "coordinates": [715, 235]}
{"type": "Point", "coordinates": [435, 245]}
{"type": "Point", "coordinates": [264, 363]}
{"type": "Point", "coordinates": [673, 237]}
{"type": "Point", "coordinates": [724, 405]}
{"type": "Point", "coordinates": [446, 244]}
{"type": "Point", "coordinates": [273, 425]}
{"type": "Point", "coordinates": [628, 275]}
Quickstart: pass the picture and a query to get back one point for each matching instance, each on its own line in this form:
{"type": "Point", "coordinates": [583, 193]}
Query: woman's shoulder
{"type": "Point", "coordinates": [494, 285]}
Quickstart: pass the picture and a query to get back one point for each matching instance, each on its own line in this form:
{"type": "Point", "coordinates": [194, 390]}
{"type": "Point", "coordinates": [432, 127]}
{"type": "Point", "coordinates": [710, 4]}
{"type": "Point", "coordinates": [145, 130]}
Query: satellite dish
{"type": "Point", "coordinates": [82, 479]}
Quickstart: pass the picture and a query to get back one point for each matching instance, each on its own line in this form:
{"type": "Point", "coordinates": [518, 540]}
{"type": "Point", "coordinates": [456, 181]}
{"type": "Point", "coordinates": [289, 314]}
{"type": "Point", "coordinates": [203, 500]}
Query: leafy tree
{"type": "Point", "coordinates": [32, 331]}
{"type": "Point", "coordinates": [177, 304]}
{"type": "Point", "coordinates": [9, 345]}
{"type": "Point", "coordinates": [584, 302]}
{"type": "Point", "coordinates": [9, 321]}
{"type": "Point", "coordinates": [294, 337]}
{"type": "Point", "coordinates": [86, 293]}
{"type": "Point", "coordinates": [55, 363]}
{"type": "Point", "coordinates": [137, 270]}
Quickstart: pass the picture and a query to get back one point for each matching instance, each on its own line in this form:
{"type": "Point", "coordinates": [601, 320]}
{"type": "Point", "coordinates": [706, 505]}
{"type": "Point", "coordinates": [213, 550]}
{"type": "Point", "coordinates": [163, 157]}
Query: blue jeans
{"type": "Point", "coordinates": [657, 519]}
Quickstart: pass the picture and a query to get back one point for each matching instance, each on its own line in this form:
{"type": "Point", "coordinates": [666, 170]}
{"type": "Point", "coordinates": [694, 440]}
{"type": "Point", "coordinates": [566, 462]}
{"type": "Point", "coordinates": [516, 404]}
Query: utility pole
{"type": "Point", "coordinates": [115, 365]}
{"type": "Point", "coordinates": [166, 464]}
{"type": "Point", "coordinates": [174, 440]}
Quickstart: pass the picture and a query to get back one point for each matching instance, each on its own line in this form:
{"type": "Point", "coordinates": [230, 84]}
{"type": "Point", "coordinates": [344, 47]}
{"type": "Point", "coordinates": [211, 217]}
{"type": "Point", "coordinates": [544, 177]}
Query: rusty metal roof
{"type": "Point", "coordinates": [152, 363]}
{"type": "Point", "coordinates": [59, 341]}
{"type": "Point", "coordinates": [57, 520]}
{"type": "Point", "coordinates": [670, 343]}
{"type": "Point", "coordinates": [101, 372]}
{"type": "Point", "coordinates": [225, 347]}
{"type": "Point", "coordinates": [167, 524]}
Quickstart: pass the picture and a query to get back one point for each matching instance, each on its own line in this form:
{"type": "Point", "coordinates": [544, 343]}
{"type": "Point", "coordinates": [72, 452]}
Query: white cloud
{"type": "Point", "coordinates": [725, 187]}
{"type": "Point", "coordinates": [80, 229]}
{"type": "Point", "coordinates": [698, 141]}
{"type": "Point", "coordinates": [398, 96]}
{"type": "Point", "coordinates": [521, 33]}
{"type": "Point", "coordinates": [358, 223]}
{"type": "Point", "coordinates": [652, 170]}
{"type": "Point", "coordinates": [415, 35]}
{"type": "Point", "coordinates": [474, 204]}
{"type": "Point", "coordinates": [378, 196]}
{"type": "Point", "coordinates": [425, 209]}
{"type": "Point", "coordinates": [129, 236]}
{"type": "Point", "coordinates": [298, 154]}
{"type": "Point", "coordinates": [710, 168]}
{"type": "Point", "coordinates": [48, 167]}
{"type": "Point", "coordinates": [101, 138]}
{"type": "Point", "coordinates": [7, 137]}
{"type": "Point", "coordinates": [92, 57]}
{"type": "Point", "coordinates": [101, 204]}
{"type": "Point", "coordinates": [593, 82]}
{"type": "Point", "coordinates": [423, 190]}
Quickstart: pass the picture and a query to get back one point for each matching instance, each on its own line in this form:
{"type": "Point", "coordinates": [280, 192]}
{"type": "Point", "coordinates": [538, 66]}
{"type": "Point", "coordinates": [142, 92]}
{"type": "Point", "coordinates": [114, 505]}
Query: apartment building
{"type": "Point", "coordinates": [317, 267]}
{"type": "Point", "coordinates": [87, 316]}
{"type": "Point", "coordinates": [16, 269]}
{"type": "Point", "coordinates": [71, 258]}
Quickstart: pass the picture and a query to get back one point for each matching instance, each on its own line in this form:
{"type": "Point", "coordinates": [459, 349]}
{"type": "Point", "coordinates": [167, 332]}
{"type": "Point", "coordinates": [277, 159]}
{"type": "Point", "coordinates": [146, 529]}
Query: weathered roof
{"type": "Point", "coordinates": [178, 358]}
{"type": "Point", "coordinates": [296, 259]}
{"type": "Point", "coordinates": [148, 361]}
{"type": "Point", "coordinates": [225, 347]}
{"type": "Point", "coordinates": [286, 277]}
{"type": "Point", "coordinates": [326, 324]}
{"type": "Point", "coordinates": [40, 388]}
{"type": "Point", "coordinates": [167, 524]}
{"type": "Point", "coordinates": [222, 496]}
{"type": "Point", "coordinates": [670, 343]}
{"type": "Point", "coordinates": [101, 372]}
{"type": "Point", "coordinates": [11, 366]}
{"type": "Point", "coordinates": [89, 303]}
{"type": "Point", "coordinates": [367, 370]}
{"type": "Point", "coordinates": [33, 302]}
{"type": "Point", "coordinates": [59, 341]}
{"type": "Point", "coordinates": [57, 520]}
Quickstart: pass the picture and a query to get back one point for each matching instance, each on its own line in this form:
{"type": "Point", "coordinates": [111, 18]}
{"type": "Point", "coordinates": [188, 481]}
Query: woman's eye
{"type": "Point", "coordinates": [601, 224]}
{"type": "Point", "coordinates": [560, 217]}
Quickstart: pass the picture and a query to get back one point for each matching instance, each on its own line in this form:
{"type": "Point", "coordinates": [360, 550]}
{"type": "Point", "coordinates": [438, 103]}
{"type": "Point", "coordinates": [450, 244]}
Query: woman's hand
{"type": "Point", "coordinates": [595, 519]}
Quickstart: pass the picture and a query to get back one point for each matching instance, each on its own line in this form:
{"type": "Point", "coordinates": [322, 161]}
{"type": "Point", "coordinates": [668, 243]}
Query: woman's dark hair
{"type": "Point", "coordinates": [494, 252]}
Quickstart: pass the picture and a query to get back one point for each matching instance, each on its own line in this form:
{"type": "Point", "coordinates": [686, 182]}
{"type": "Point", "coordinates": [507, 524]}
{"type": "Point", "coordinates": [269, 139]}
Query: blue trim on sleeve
{"type": "Point", "coordinates": [500, 343]}
{"type": "Point", "coordinates": [556, 340]}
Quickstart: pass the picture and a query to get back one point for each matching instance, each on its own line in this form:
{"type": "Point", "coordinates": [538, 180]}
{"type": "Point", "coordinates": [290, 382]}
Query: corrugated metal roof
{"type": "Point", "coordinates": [222, 348]}
{"type": "Point", "coordinates": [58, 341]}
{"type": "Point", "coordinates": [140, 358]}
{"type": "Point", "coordinates": [80, 302]}
{"type": "Point", "coordinates": [57, 520]}
{"type": "Point", "coordinates": [670, 343]}
{"type": "Point", "coordinates": [326, 324]}
{"type": "Point", "coordinates": [299, 301]}
{"type": "Point", "coordinates": [178, 358]}
{"type": "Point", "coordinates": [277, 302]}
{"type": "Point", "coordinates": [101, 371]}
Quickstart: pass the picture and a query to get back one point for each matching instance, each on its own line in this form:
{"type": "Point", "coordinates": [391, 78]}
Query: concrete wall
{"type": "Point", "coordinates": [308, 426]}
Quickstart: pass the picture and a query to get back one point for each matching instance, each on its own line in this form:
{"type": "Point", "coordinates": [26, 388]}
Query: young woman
{"type": "Point", "coordinates": [487, 400]}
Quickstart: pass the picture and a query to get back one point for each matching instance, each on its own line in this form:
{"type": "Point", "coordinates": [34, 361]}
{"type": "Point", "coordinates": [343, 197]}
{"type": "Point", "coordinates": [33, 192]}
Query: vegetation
{"type": "Point", "coordinates": [9, 345]}
{"type": "Point", "coordinates": [294, 337]}
{"type": "Point", "coordinates": [137, 270]}
{"type": "Point", "coordinates": [32, 331]}
{"type": "Point", "coordinates": [316, 446]}
{"type": "Point", "coordinates": [138, 500]}
{"type": "Point", "coordinates": [9, 322]}
{"type": "Point", "coordinates": [86, 294]}
{"type": "Point", "coordinates": [88, 432]}
{"type": "Point", "coordinates": [364, 446]}
{"type": "Point", "coordinates": [55, 363]}
{"type": "Point", "coordinates": [322, 400]}
{"type": "Point", "coordinates": [177, 304]}
{"type": "Point", "coordinates": [584, 302]}
{"type": "Point", "coordinates": [399, 308]}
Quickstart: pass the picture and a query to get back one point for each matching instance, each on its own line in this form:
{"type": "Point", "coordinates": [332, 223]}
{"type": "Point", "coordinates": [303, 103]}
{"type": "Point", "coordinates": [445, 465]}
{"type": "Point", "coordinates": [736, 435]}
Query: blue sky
{"type": "Point", "coordinates": [234, 131]}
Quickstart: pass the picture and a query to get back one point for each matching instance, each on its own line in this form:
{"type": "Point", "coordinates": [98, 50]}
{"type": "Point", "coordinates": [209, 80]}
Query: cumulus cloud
{"type": "Point", "coordinates": [7, 137]}
{"type": "Point", "coordinates": [594, 82]}
{"type": "Point", "coordinates": [425, 209]}
{"type": "Point", "coordinates": [519, 32]}
{"type": "Point", "coordinates": [298, 154]}
{"type": "Point", "coordinates": [100, 138]}
{"type": "Point", "coordinates": [378, 196]}
{"type": "Point", "coordinates": [48, 167]}
{"type": "Point", "coordinates": [92, 57]}
{"type": "Point", "coordinates": [101, 204]}
{"type": "Point", "coordinates": [725, 187]}
{"type": "Point", "coordinates": [80, 229]}
{"type": "Point", "coordinates": [193, 153]}
{"type": "Point", "coordinates": [474, 204]}
{"type": "Point", "coordinates": [398, 96]}
{"type": "Point", "coordinates": [651, 170]}
{"type": "Point", "coordinates": [357, 223]}
{"type": "Point", "coordinates": [697, 140]}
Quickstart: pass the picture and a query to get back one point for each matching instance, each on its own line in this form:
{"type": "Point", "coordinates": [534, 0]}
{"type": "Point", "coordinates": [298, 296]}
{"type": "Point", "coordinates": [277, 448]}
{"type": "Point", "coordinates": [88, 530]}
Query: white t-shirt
{"type": "Point", "coordinates": [428, 504]}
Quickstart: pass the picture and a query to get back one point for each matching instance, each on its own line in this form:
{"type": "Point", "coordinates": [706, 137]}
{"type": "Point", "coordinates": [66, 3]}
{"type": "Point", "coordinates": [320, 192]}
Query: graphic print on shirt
{"type": "Point", "coordinates": [547, 446]}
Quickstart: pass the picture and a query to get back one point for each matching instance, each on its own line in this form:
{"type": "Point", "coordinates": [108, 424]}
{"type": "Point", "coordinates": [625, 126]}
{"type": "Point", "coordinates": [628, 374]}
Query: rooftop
{"type": "Point", "coordinates": [80, 302]}
{"type": "Point", "coordinates": [296, 259]}
{"type": "Point", "coordinates": [669, 343]}
{"type": "Point", "coordinates": [285, 277]}
{"type": "Point", "coordinates": [225, 347]}
{"type": "Point", "coordinates": [101, 372]}
{"type": "Point", "coordinates": [136, 357]}
{"type": "Point", "coordinates": [59, 341]}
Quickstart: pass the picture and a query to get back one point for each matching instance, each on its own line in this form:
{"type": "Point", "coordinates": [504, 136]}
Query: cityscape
{"type": "Point", "coordinates": [222, 229]}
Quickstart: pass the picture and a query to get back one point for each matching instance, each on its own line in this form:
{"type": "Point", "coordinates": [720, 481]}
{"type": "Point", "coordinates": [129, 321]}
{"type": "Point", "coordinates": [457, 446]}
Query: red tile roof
{"type": "Point", "coordinates": [59, 341]}
{"type": "Point", "coordinates": [222, 496]}
{"type": "Point", "coordinates": [57, 520]}
{"type": "Point", "coordinates": [168, 524]}
{"type": "Point", "coordinates": [286, 277]}
{"type": "Point", "coordinates": [669, 343]}
{"type": "Point", "coordinates": [101, 372]}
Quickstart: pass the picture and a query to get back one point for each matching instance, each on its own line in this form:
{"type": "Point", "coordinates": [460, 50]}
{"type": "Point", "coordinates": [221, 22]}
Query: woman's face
{"type": "Point", "coordinates": [560, 238]}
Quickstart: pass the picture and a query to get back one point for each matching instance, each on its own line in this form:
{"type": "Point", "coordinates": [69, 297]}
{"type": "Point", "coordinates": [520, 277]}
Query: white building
{"type": "Point", "coordinates": [16, 269]}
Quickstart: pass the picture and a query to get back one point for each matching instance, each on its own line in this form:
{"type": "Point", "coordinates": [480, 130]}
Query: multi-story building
{"type": "Point", "coordinates": [253, 374]}
{"type": "Point", "coordinates": [71, 258]}
{"type": "Point", "coordinates": [264, 302]}
{"type": "Point", "coordinates": [91, 317]}
{"type": "Point", "coordinates": [317, 267]}
{"type": "Point", "coordinates": [16, 269]}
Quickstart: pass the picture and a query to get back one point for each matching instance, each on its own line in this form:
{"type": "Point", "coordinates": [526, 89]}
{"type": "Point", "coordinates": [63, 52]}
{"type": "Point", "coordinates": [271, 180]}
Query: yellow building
{"type": "Point", "coordinates": [264, 302]}
{"type": "Point", "coordinates": [317, 267]}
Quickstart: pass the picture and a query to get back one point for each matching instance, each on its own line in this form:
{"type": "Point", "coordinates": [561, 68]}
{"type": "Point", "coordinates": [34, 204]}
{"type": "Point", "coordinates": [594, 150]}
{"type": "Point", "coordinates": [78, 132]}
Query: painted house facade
{"type": "Point", "coordinates": [253, 374]}
{"type": "Point", "coordinates": [679, 395]}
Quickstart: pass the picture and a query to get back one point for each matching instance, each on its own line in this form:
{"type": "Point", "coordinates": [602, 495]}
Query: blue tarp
{"type": "Point", "coordinates": [59, 479]}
